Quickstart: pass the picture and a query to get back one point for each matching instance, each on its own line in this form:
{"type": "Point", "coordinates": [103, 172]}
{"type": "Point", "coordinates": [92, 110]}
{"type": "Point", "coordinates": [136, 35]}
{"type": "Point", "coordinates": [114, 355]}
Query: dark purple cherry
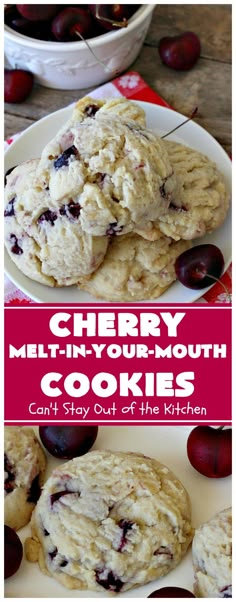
{"type": "Point", "coordinates": [35, 491]}
{"type": "Point", "coordinates": [13, 552]}
{"type": "Point", "coordinates": [10, 211]}
{"type": "Point", "coordinates": [171, 592]}
{"type": "Point", "coordinates": [91, 110]}
{"type": "Point", "coordinates": [68, 441]}
{"type": "Point", "coordinates": [125, 526]}
{"type": "Point", "coordinates": [48, 216]}
{"type": "Point", "coordinates": [16, 249]}
{"type": "Point", "coordinates": [10, 479]}
{"type": "Point", "coordinates": [33, 29]}
{"type": "Point", "coordinates": [72, 24]}
{"type": "Point", "coordinates": [37, 12]}
{"type": "Point", "coordinates": [64, 159]}
{"type": "Point", "coordinates": [180, 52]}
{"type": "Point", "coordinates": [200, 266]}
{"type": "Point", "coordinates": [10, 12]}
{"type": "Point", "coordinates": [72, 210]}
{"type": "Point", "coordinates": [108, 580]}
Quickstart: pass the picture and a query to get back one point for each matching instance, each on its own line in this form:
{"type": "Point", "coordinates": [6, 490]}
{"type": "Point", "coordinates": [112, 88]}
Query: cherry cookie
{"type": "Point", "coordinates": [141, 269]}
{"type": "Point", "coordinates": [84, 108]}
{"type": "Point", "coordinates": [212, 557]}
{"type": "Point", "coordinates": [203, 200]}
{"type": "Point", "coordinates": [43, 237]}
{"type": "Point", "coordinates": [110, 521]}
{"type": "Point", "coordinates": [125, 109]}
{"type": "Point", "coordinates": [116, 171]}
{"type": "Point", "coordinates": [24, 468]}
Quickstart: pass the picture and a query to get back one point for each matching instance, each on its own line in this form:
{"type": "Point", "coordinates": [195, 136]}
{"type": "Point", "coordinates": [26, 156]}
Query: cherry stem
{"type": "Point", "coordinates": [123, 23]}
{"type": "Point", "coordinates": [222, 284]}
{"type": "Point", "coordinates": [193, 114]}
{"type": "Point", "coordinates": [93, 53]}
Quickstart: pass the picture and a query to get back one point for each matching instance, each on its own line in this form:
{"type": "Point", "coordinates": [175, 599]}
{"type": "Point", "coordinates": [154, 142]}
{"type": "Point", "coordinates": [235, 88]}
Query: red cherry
{"type": "Point", "coordinates": [40, 30]}
{"type": "Point", "coordinates": [37, 12]}
{"type": "Point", "coordinates": [18, 84]}
{"type": "Point", "coordinates": [200, 266]}
{"type": "Point", "coordinates": [180, 52]}
{"type": "Point", "coordinates": [70, 22]}
{"type": "Point", "coordinates": [68, 441]}
{"type": "Point", "coordinates": [210, 451]}
{"type": "Point", "coordinates": [171, 592]}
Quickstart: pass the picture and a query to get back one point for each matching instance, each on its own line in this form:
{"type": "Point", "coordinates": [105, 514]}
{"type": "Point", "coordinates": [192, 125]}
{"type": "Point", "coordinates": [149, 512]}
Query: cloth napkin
{"type": "Point", "coordinates": [130, 85]}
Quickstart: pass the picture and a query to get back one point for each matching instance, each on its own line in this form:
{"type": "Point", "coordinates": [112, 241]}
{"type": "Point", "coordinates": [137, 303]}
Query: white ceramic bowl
{"type": "Point", "coordinates": [71, 65]}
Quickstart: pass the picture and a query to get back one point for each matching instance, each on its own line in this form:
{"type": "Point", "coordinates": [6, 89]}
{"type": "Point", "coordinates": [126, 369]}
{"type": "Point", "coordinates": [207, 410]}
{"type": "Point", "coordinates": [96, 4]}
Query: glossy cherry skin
{"type": "Point", "coordinates": [32, 29]}
{"type": "Point", "coordinates": [13, 552]}
{"type": "Point", "coordinates": [110, 14]}
{"type": "Point", "coordinates": [37, 12]}
{"type": "Point", "coordinates": [68, 441]}
{"type": "Point", "coordinates": [18, 85]}
{"type": "Point", "coordinates": [195, 266]}
{"type": "Point", "coordinates": [171, 592]}
{"type": "Point", "coordinates": [180, 52]}
{"type": "Point", "coordinates": [71, 22]}
{"type": "Point", "coordinates": [210, 451]}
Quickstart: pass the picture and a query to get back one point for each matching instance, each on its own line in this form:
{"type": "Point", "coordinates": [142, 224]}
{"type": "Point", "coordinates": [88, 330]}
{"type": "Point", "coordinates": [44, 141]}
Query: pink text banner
{"type": "Point", "coordinates": [107, 364]}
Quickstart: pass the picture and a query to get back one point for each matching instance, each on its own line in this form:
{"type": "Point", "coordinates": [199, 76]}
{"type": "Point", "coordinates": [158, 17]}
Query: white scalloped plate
{"type": "Point", "coordinates": [30, 144]}
{"type": "Point", "coordinates": [168, 445]}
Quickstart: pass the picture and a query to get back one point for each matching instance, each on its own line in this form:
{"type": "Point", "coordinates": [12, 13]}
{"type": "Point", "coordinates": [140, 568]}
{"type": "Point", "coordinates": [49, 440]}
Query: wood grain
{"type": "Point", "coordinates": [207, 85]}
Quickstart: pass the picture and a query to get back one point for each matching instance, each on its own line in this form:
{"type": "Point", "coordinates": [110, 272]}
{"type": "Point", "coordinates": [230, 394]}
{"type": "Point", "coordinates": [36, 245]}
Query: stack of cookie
{"type": "Point", "coordinates": [109, 206]}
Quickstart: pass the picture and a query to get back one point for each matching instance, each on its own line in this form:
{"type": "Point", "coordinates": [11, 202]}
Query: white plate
{"type": "Point", "coordinates": [168, 445]}
{"type": "Point", "coordinates": [30, 144]}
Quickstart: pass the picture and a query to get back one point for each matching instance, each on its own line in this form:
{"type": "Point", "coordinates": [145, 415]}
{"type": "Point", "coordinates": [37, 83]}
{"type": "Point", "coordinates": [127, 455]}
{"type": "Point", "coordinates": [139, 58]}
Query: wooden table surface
{"type": "Point", "coordinates": [207, 85]}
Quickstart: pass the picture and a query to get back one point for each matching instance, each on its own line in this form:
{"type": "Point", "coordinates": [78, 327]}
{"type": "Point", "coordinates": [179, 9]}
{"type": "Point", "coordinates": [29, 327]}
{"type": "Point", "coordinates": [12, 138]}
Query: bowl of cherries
{"type": "Point", "coordinates": [74, 47]}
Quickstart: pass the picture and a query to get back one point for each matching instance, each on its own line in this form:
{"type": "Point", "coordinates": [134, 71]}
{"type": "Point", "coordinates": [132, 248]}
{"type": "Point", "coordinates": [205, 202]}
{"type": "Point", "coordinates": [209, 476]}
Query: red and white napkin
{"type": "Point", "coordinates": [131, 85]}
